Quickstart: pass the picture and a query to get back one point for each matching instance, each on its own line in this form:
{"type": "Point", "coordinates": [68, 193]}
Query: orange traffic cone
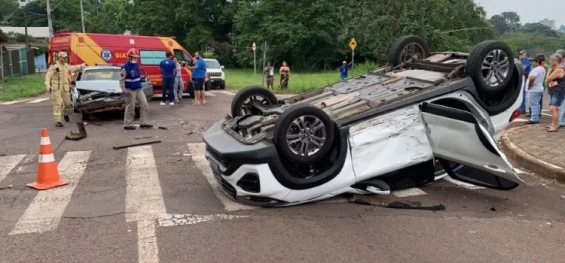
{"type": "Point", "coordinates": [47, 173]}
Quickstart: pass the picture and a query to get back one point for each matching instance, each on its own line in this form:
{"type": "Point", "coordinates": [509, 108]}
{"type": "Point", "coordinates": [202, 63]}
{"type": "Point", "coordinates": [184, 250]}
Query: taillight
{"type": "Point", "coordinates": [515, 115]}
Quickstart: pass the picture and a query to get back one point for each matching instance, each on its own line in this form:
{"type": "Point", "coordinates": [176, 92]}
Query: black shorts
{"type": "Point", "coordinates": [198, 84]}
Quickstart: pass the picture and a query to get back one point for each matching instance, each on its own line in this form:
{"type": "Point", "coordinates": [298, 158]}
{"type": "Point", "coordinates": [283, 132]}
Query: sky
{"type": "Point", "coordinates": [530, 11]}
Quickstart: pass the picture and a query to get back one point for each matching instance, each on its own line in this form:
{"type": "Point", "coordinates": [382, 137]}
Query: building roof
{"type": "Point", "coordinates": [36, 32]}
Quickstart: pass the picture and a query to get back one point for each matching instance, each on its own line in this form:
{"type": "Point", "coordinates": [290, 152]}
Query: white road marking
{"type": "Point", "coordinates": [11, 102]}
{"type": "Point", "coordinates": [198, 150]}
{"type": "Point", "coordinates": [545, 110]}
{"type": "Point", "coordinates": [147, 252]}
{"type": "Point", "coordinates": [520, 120]}
{"type": "Point", "coordinates": [520, 171]}
{"type": "Point", "coordinates": [45, 211]}
{"type": "Point", "coordinates": [546, 114]}
{"type": "Point", "coordinates": [190, 219]}
{"type": "Point", "coordinates": [409, 192]}
{"type": "Point", "coordinates": [144, 198]}
{"type": "Point", "coordinates": [463, 184]}
{"type": "Point", "coordinates": [7, 163]}
{"type": "Point", "coordinates": [38, 100]}
{"type": "Point", "coordinates": [208, 94]}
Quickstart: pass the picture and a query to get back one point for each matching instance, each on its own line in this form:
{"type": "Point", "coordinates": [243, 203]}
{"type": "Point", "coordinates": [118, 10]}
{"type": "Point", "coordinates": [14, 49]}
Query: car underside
{"type": "Point", "coordinates": [306, 142]}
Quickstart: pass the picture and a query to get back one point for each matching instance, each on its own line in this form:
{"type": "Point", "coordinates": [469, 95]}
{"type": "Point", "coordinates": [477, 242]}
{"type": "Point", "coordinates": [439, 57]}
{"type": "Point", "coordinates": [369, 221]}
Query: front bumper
{"type": "Point", "coordinates": [242, 171]}
{"type": "Point", "coordinates": [110, 103]}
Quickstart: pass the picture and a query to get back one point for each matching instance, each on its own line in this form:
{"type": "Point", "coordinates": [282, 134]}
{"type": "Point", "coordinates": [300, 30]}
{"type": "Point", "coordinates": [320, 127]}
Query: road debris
{"type": "Point", "coordinates": [6, 188]}
{"type": "Point", "coordinates": [492, 209]}
{"type": "Point", "coordinates": [162, 128]}
{"type": "Point", "coordinates": [134, 145]}
{"type": "Point", "coordinates": [145, 137]}
{"type": "Point", "coordinates": [398, 205]}
{"type": "Point", "coordinates": [73, 136]}
{"type": "Point", "coordinates": [95, 123]}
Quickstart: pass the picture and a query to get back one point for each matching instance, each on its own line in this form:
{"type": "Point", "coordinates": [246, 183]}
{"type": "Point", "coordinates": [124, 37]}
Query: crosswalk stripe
{"type": "Point", "coordinates": [38, 100]}
{"type": "Point", "coordinates": [148, 251]}
{"type": "Point", "coordinates": [7, 163]}
{"type": "Point", "coordinates": [45, 211]}
{"type": "Point", "coordinates": [144, 198]}
{"type": "Point", "coordinates": [198, 150]}
{"type": "Point", "coordinates": [463, 184]}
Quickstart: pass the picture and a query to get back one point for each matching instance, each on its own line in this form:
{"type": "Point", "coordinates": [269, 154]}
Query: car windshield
{"type": "Point", "coordinates": [101, 74]}
{"type": "Point", "coordinates": [212, 64]}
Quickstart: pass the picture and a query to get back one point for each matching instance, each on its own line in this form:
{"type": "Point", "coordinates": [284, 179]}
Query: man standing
{"type": "Point", "coordinates": [57, 84]}
{"type": "Point", "coordinates": [130, 82]}
{"type": "Point", "coordinates": [535, 88]}
{"type": "Point", "coordinates": [270, 75]}
{"type": "Point", "coordinates": [527, 67]}
{"type": "Point", "coordinates": [198, 76]}
{"type": "Point", "coordinates": [168, 69]}
{"type": "Point", "coordinates": [343, 69]}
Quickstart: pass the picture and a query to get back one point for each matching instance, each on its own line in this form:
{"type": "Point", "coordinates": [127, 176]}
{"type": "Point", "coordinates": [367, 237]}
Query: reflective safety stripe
{"type": "Point", "coordinates": [45, 141]}
{"type": "Point", "coordinates": [132, 80]}
{"type": "Point", "coordinates": [46, 158]}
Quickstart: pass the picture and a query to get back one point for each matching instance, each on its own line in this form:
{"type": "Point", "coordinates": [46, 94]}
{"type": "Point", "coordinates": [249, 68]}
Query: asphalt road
{"type": "Point", "coordinates": [157, 204]}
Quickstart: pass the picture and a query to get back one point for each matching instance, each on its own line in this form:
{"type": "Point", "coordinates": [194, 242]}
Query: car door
{"type": "Point", "coordinates": [456, 135]}
{"type": "Point", "coordinates": [146, 85]}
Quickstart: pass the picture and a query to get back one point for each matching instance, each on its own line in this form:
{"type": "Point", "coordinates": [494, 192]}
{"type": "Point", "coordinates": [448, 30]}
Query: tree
{"type": "Point", "coordinates": [8, 8]}
{"type": "Point", "coordinates": [538, 28]}
{"type": "Point", "coordinates": [512, 21]}
{"type": "Point", "coordinates": [500, 26]}
{"type": "Point", "coordinates": [33, 12]}
{"type": "Point", "coordinates": [562, 28]}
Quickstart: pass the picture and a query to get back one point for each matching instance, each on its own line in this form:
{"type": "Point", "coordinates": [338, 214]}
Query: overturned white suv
{"type": "Point", "coordinates": [411, 122]}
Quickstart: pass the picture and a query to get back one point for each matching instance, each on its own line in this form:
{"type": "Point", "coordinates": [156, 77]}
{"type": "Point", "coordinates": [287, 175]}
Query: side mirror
{"type": "Point", "coordinates": [222, 67]}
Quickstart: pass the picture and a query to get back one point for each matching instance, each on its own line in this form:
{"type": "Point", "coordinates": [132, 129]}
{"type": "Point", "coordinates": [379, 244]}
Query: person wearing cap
{"type": "Point", "coordinates": [527, 68]}
{"type": "Point", "coordinates": [535, 88]}
{"type": "Point", "coordinates": [130, 82]}
{"type": "Point", "coordinates": [57, 84]}
{"type": "Point", "coordinates": [343, 69]}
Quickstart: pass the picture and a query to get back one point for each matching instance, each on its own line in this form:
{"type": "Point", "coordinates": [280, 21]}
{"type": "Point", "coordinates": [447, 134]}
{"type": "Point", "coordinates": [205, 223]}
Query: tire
{"type": "Point", "coordinates": [222, 85]}
{"type": "Point", "coordinates": [286, 126]}
{"type": "Point", "coordinates": [484, 52]}
{"type": "Point", "coordinates": [397, 55]}
{"type": "Point", "coordinates": [238, 102]}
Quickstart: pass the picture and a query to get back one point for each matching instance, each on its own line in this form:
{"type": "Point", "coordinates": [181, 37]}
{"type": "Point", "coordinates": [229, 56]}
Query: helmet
{"type": "Point", "coordinates": [132, 52]}
{"type": "Point", "coordinates": [62, 54]}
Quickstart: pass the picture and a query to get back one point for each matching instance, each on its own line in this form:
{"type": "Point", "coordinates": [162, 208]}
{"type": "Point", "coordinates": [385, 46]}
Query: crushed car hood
{"type": "Point", "coordinates": [108, 86]}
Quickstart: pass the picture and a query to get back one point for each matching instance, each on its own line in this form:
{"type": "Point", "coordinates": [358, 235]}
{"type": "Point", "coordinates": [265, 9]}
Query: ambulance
{"type": "Point", "coordinates": [102, 49]}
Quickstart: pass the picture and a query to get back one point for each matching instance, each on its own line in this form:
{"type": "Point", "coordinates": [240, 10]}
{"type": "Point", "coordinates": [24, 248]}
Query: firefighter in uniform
{"type": "Point", "coordinates": [131, 86]}
{"type": "Point", "coordinates": [57, 84]}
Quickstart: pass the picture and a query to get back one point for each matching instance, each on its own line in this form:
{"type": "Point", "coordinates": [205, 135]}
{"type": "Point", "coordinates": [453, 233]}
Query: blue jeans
{"type": "Point", "coordinates": [523, 105]}
{"type": "Point", "coordinates": [562, 114]}
{"type": "Point", "coordinates": [168, 85]}
{"type": "Point", "coordinates": [535, 105]}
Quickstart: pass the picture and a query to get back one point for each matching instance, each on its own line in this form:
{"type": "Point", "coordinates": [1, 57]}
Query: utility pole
{"type": "Point", "coordinates": [82, 16]}
{"type": "Point", "coordinates": [25, 24]}
{"type": "Point", "coordinates": [49, 22]}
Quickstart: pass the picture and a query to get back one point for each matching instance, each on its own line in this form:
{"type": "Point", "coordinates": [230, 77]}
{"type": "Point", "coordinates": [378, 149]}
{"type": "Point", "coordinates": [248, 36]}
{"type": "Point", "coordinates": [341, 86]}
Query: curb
{"type": "Point", "coordinates": [529, 162]}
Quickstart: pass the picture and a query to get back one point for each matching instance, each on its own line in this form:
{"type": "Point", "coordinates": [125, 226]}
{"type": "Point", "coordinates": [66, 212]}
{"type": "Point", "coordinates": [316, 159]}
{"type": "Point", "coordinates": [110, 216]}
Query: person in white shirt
{"type": "Point", "coordinates": [535, 88]}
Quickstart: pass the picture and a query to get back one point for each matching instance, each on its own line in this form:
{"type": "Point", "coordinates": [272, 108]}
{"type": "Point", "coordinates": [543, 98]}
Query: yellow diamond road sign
{"type": "Point", "coordinates": [353, 44]}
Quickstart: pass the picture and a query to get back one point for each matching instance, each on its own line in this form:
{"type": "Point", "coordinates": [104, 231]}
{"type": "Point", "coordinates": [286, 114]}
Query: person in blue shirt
{"type": "Point", "coordinates": [198, 77]}
{"type": "Point", "coordinates": [343, 70]}
{"type": "Point", "coordinates": [168, 69]}
{"type": "Point", "coordinates": [130, 82]}
{"type": "Point", "coordinates": [527, 68]}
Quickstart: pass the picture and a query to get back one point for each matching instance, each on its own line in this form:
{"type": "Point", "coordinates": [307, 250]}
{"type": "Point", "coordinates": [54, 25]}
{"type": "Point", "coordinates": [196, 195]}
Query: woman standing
{"type": "Point", "coordinates": [556, 85]}
{"type": "Point", "coordinates": [285, 73]}
{"type": "Point", "coordinates": [179, 84]}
